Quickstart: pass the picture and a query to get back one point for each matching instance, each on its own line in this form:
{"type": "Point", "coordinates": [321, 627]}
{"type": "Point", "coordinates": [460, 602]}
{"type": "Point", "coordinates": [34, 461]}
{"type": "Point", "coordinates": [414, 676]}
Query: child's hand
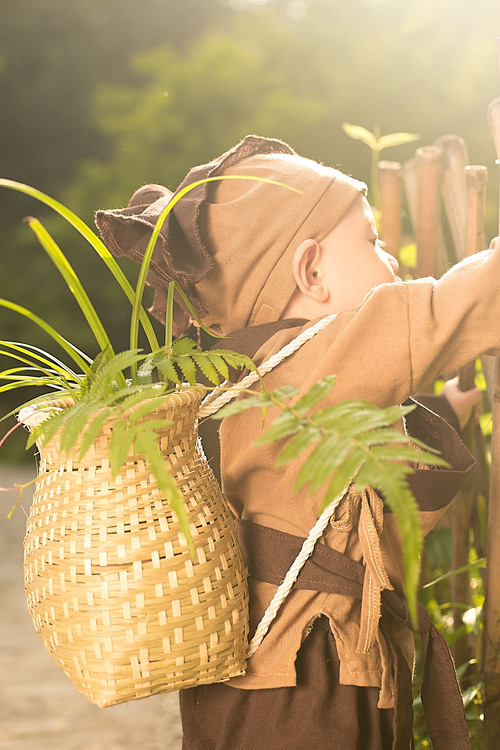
{"type": "Point", "coordinates": [463, 403]}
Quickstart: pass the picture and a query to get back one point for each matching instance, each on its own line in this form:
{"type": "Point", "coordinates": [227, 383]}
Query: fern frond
{"type": "Point", "coordinates": [74, 424]}
{"type": "Point", "coordinates": [141, 411]}
{"type": "Point", "coordinates": [107, 372]}
{"type": "Point", "coordinates": [183, 346]}
{"type": "Point", "coordinates": [188, 368]}
{"type": "Point", "coordinates": [297, 445]}
{"type": "Point", "coordinates": [168, 372]}
{"type": "Point", "coordinates": [220, 364]}
{"type": "Point", "coordinates": [146, 443]}
{"type": "Point", "coordinates": [284, 425]}
{"type": "Point", "coordinates": [204, 363]}
{"type": "Point", "coordinates": [315, 394]}
{"type": "Point", "coordinates": [92, 430]}
{"type": "Point", "coordinates": [122, 438]}
{"type": "Point", "coordinates": [47, 429]}
{"type": "Point", "coordinates": [134, 397]}
{"type": "Point", "coordinates": [234, 359]}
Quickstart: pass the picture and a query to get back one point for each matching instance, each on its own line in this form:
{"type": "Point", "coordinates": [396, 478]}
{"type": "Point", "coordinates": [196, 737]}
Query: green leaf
{"type": "Point", "coordinates": [218, 361]}
{"type": "Point", "coordinates": [75, 286]}
{"type": "Point", "coordinates": [243, 404]}
{"type": "Point", "coordinates": [390, 479]}
{"type": "Point", "coordinates": [396, 139]}
{"type": "Point", "coordinates": [34, 355]}
{"type": "Point", "coordinates": [361, 134]}
{"type": "Point", "coordinates": [315, 394]}
{"type": "Point", "coordinates": [47, 429]}
{"type": "Point", "coordinates": [325, 459]}
{"type": "Point", "coordinates": [94, 426]}
{"type": "Point", "coordinates": [157, 425]}
{"type": "Point", "coordinates": [345, 475]}
{"type": "Point", "coordinates": [71, 350]}
{"type": "Point", "coordinates": [234, 359]}
{"type": "Point", "coordinates": [286, 392]}
{"type": "Point", "coordinates": [95, 243]}
{"type": "Point", "coordinates": [184, 345]}
{"type": "Point", "coordinates": [167, 372]}
{"type": "Point", "coordinates": [122, 438]}
{"type": "Point", "coordinates": [142, 410]}
{"type": "Point", "coordinates": [74, 424]}
{"type": "Point", "coordinates": [147, 445]}
{"type": "Point", "coordinates": [203, 361]}
{"type": "Point", "coordinates": [297, 445]}
{"type": "Point", "coordinates": [286, 424]}
{"type": "Point", "coordinates": [188, 368]}
{"type": "Point", "coordinates": [105, 378]}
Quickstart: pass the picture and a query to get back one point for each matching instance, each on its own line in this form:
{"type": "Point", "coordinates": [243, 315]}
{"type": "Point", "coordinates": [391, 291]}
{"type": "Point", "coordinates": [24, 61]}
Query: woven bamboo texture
{"type": "Point", "coordinates": [113, 590]}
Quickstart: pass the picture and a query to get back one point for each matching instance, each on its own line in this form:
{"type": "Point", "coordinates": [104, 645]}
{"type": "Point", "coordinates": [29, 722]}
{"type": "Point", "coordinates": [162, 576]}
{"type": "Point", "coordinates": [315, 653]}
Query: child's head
{"type": "Point", "coordinates": [235, 245]}
{"type": "Point", "coordinates": [337, 273]}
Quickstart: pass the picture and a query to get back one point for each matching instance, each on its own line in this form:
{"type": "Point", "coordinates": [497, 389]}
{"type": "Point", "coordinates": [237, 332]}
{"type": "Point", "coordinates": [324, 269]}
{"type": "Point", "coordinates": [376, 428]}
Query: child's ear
{"type": "Point", "coordinates": [306, 269]}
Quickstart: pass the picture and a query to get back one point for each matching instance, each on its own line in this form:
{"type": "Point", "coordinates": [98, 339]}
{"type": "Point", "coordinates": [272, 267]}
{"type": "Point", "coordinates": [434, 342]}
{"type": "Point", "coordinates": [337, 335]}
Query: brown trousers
{"type": "Point", "coordinates": [317, 714]}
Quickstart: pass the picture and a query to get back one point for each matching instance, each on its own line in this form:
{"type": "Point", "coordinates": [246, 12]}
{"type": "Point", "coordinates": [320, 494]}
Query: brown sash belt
{"type": "Point", "coordinates": [269, 554]}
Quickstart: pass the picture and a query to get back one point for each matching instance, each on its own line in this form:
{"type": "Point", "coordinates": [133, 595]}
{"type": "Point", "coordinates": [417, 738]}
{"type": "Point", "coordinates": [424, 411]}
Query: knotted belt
{"type": "Point", "coordinates": [269, 553]}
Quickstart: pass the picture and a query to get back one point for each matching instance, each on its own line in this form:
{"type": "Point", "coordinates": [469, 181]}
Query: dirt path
{"type": "Point", "coordinates": [40, 709]}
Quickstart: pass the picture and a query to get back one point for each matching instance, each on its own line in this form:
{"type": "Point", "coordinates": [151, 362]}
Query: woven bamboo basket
{"type": "Point", "coordinates": [113, 590]}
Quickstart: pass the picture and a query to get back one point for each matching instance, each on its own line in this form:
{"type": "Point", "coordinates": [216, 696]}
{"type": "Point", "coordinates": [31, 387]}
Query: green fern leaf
{"type": "Point", "coordinates": [168, 372]}
{"type": "Point", "coordinates": [391, 481]}
{"type": "Point", "coordinates": [284, 425]}
{"type": "Point", "coordinates": [131, 398]}
{"type": "Point", "coordinates": [122, 438]}
{"type": "Point", "coordinates": [401, 452]}
{"type": "Point", "coordinates": [157, 425]}
{"type": "Point", "coordinates": [187, 367]}
{"type": "Point", "coordinates": [336, 414]}
{"type": "Point", "coordinates": [147, 445]}
{"type": "Point", "coordinates": [48, 428]}
{"type": "Point", "coordinates": [94, 427]}
{"type": "Point", "coordinates": [315, 394]}
{"type": "Point", "coordinates": [326, 458]}
{"type": "Point", "coordinates": [203, 362]}
{"type": "Point", "coordinates": [75, 424]}
{"type": "Point", "coordinates": [298, 444]}
{"type": "Point", "coordinates": [235, 360]}
{"type": "Point", "coordinates": [141, 411]}
{"type": "Point", "coordinates": [219, 363]}
{"type": "Point", "coordinates": [183, 346]}
{"type": "Point", "coordinates": [345, 474]}
{"type": "Point", "coordinates": [240, 405]}
{"type": "Point", "coordinates": [106, 374]}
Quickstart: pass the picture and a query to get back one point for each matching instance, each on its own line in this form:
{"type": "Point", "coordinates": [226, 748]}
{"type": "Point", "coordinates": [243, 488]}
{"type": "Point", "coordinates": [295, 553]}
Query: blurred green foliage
{"type": "Point", "coordinates": [100, 96]}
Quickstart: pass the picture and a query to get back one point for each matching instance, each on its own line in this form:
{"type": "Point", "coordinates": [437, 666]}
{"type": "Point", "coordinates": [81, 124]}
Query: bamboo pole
{"type": "Point", "coordinates": [455, 159]}
{"type": "Point", "coordinates": [428, 209]}
{"type": "Point", "coordinates": [491, 612]}
{"type": "Point", "coordinates": [470, 241]}
{"type": "Point", "coordinates": [389, 185]}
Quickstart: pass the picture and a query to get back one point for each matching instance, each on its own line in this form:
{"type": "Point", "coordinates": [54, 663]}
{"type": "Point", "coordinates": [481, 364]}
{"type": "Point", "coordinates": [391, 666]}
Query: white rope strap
{"type": "Point", "coordinates": [284, 588]}
{"type": "Point", "coordinates": [214, 401]}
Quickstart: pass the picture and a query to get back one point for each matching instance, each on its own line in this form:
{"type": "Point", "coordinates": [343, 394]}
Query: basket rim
{"type": "Point", "coordinates": [33, 415]}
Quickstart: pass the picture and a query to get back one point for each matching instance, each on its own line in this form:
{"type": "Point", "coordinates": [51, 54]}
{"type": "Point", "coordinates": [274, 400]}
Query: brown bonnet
{"type": "Point", "coordinates": [230, 243]}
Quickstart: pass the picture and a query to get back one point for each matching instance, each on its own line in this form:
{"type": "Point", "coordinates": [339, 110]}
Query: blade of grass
{"type": "Point", "coordinates": [75, 286]}
{"type": "Point", "coordinates": [141, 281]}
{"type": "Point", "coordinates": [65, 345]}
{"type": "Point", "coordinates": [169, 319]}
{"type": "Point", "coordinates": [97, 245]}
{"type": "Point", "coordinates": [50, 363]}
